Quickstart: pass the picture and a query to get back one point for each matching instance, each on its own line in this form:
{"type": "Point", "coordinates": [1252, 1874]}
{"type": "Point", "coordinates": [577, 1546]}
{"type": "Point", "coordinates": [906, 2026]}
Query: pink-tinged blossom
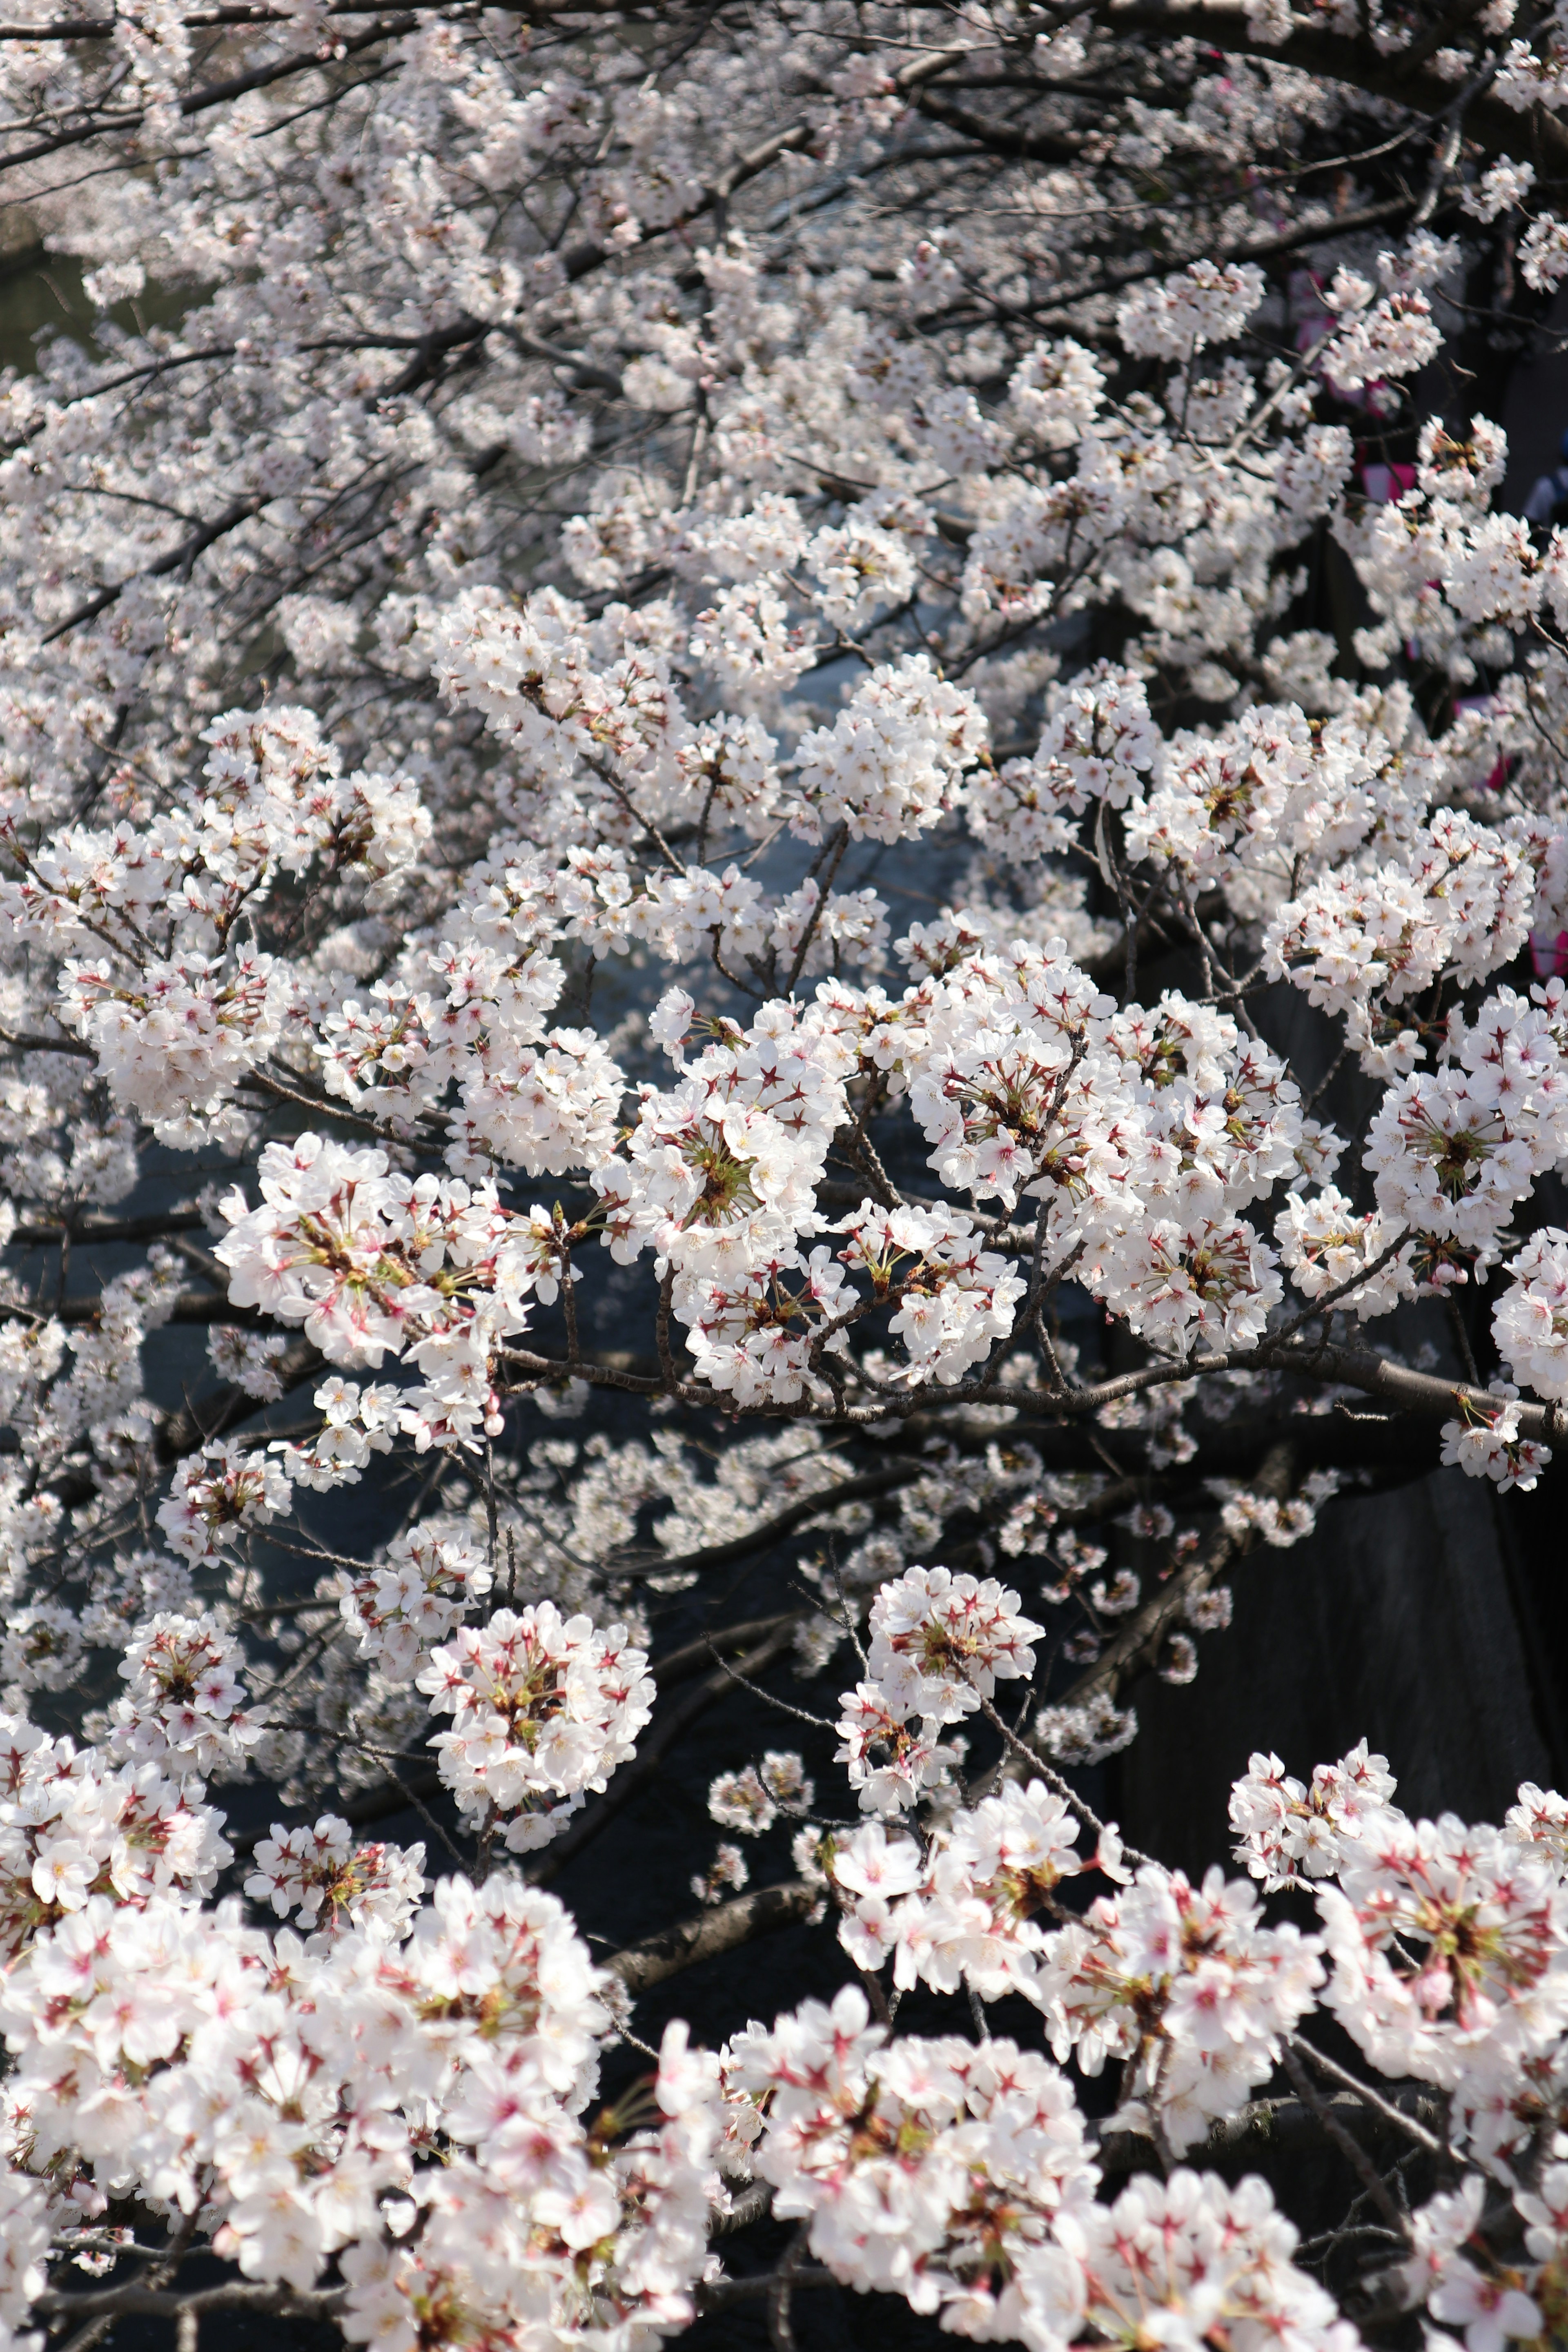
{"type": "Point", "coordinates": [1182, 1985]}
{"type": "Point", "coordinates": [543, 1710]}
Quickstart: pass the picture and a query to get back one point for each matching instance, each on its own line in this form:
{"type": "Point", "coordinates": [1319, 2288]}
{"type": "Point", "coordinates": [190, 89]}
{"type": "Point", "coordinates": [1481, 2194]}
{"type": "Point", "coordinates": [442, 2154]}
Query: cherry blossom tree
{"type": "Point", "coordinates": [776, 796]}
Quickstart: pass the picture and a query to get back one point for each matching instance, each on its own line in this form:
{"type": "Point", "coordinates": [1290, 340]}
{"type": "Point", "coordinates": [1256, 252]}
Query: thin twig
{"type": "Point", "coordinates": [1384, 2108]}
{"type": "Point", "coordinates": [1053, 1779]}
{"type": "Point", "coordinates": [1354, 2155]}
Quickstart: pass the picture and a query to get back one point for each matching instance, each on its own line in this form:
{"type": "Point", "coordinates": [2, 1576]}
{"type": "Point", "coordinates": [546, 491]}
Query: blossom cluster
{"type": "Point", "coordinates": [940, 1643]}
{"type": "Point", "coordinates": [959, 2176]}
{"type": "Point", "coordinates": [543, 1708]}
{"type": "Point", "coordinates": [289, 2089]}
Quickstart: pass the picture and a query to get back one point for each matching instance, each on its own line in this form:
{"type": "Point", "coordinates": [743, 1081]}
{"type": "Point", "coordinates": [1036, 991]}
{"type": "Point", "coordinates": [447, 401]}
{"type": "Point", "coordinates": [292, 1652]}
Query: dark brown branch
{"type": "Point", "coordinates": [1000, 138]}
{"type": "Point", "coordinates": [178, 559]}
{"type": "Point", "coordinates": [1406, 1391]}
{"type": "Point", "coordinates": [1353, 60]}
{"type": "Point", "coordinates": [680, 1665]}
{"type": "Point", "coordinates": [580, 259]}
{"type": "Point", "coordinates": [771, 1531]}
{"type": "Point", "coordinates": [216, 93]}
{"type": "Point", "coordinates": [1268, 2126]}
{"type": "Point", "coordinates": [86, 1230]}
{"type": "Point", "coordinates": [29, 1041]}
{"type": "Point", "coordinates": [1317, 231]}
{"type": "Point", "coordinates": [189, 1307]}
{"type": "Point", "coordinates": [101, 28]}
{"type": "Point", "coordinates": [1413, 1393]}
{"type": "Point", "coordinates": [377, 1804]}
{"type": "Point", "coordinates": [710, 1933]}
{"type": "Point", "coordinates": [242, 2294]}
{"type": "Point", "coordinates": [183, 1432]}
{"type": "Point", "coordinates": [1371, 2099]}
{"type": "Point", "coordinates": [1350, 2147]}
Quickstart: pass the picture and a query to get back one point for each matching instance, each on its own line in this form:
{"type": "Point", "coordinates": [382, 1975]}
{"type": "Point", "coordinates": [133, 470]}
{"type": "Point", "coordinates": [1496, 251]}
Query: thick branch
{"type": "Point", "coordinates": [1354, 1368]}
{"type": "Point", "coordinates": [177, 560]}
{"type": "Point", "coordinates": [102, 28]}
{"type": "Point", "coordinates": [1334, 57]}
{"type": "Point", "coordinates": [580, 259]}
{"type": "Point", "coordinates": [84, 1230]}
{"type": "Point", "coordinates": [216, 93]}
{"type": "Point", "coordinates": [679, 1666]}
{"type": "Point", "coordinates": [185, 1433]}
{"type": "Point", "coordinates": [1267, 2126]}
{"type": "Point", "coordinates": [772, 1531]}
{"type": "Point", "coordinates": [1315, 231]}
{"type": "Point", "coordinates": [709, 1933]}
{"type": "Point", "coordinates": [188, 1307]}
{"type": "Point", "coordinates": [238, 2295]}
{"type": "Point", "coordinates": [1408, 1392]}
{"type": "Point", "coordinates": [1000, 138]}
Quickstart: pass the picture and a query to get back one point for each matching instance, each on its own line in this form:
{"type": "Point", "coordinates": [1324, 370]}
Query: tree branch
{"type": "Point", "coordinates": [708, 1933]}
{"type": "Point", "coordinates": [176, 559]}
{"type": "Point", "coordinates": [1334, 57]}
